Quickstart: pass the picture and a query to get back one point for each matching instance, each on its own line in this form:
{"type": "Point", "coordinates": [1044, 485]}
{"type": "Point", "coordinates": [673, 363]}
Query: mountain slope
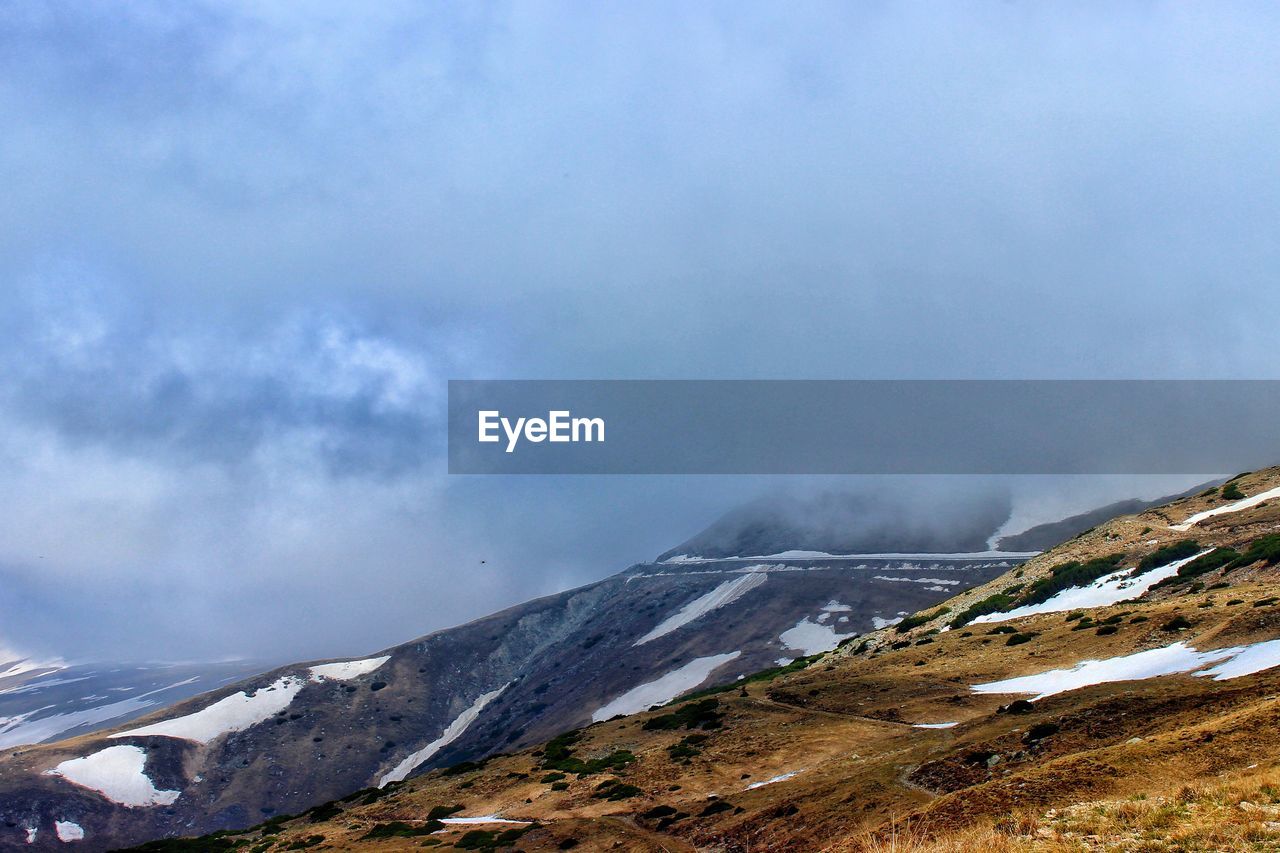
{"type": "Point", "coordinates": [300, 735]}
{"type": "Point", "coordinates": [1110, 724]}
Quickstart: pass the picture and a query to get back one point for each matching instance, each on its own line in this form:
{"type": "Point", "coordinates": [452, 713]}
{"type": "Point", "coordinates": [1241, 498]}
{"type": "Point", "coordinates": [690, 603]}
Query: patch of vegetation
{"type": "Point", "coordinates": [320, 814]}
{"type": "Point", "coordinates": [997, 603]}
{"type": "Point", "coordinates": [688, 747]}
{"type": "Point", "coordinates": [703, 714]}
{"type": "Point", "coordinates": [1019, 638]}
{"type": "Point", "coordinates": [919, 619]}
{"type": "Point", "coordinates": [1265, 602]}
{"type": "Point", "coordinates": [304, 843]}
{"type": "Point", "coordinates": [559, 786]}
{"type": "Point", "coordinates": [1215, 559]}
{"type": "Point", "coordinates": [1074, 615]}
{"type": "Point", "coordinates": [1040, 731]}
{"type": "Point", "coordinates": [716, 807]}
{"type": "Point", "coordinates": [1105, 630]}
{"type": "Point", "coordinates": [488, 839]}
{"type": "Point", "coordinates": [615, 789]}
{"type": "Point", "coordinates": [1135, 620]}
{"type": "Point", "coordinates": [438, 812]}
{"type": "Point", "coordinates": [1231, 492]}
{"type": "Point", "coordinates": [462, 767]}
{"type": "Point", "coordinates": [1265, 550]}
{"type": "Point", "coordinates": [1067, 575]}
{"type": "Point", "coordinates": [1003, 629]}
{"type": "Point", "coordinates": [1177, 623]}
{"type": "Point", "coordinates": [551, 777]}
{"type": "Point", "coordinates": [558, 756]}
{"type": "Point", "coordinates": [1179, 550]}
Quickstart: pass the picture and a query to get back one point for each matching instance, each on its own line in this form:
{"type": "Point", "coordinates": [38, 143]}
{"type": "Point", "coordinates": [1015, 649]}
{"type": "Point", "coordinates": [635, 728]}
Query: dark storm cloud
{"type": "Point", "coordinates": [243, 244]}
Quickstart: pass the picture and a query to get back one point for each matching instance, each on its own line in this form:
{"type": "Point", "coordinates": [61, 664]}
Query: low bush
{"type": "Point", "coordinates": [703, 714]}
{"type": "Point", "coordinates": [1265, 550]}
{"type": "Point", "coordinates": [1164, 556]}
{"type": "Point", "coordinates": [918, 619]}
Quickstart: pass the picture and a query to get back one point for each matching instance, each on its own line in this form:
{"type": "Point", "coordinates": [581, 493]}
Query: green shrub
{"type": "Point", "coordinates": [1215, 559]}
{"type": "Point", "coordinates": [1020, 638]}
{"type": "Point", "coordinates": [919, 619]}
{"type": "Point", "coordinates": [1231, 492]}
{"type": "Point", "coordinates": [997, 603]}
{"type": "Point", "coordinates": [1164, 556]}
{"type": "Point", "coordinates": [1266, 550]}
{"type": "Point", "coordinates": [1105, 630]}
{"type": "Point", "coordinates": [614, 790]}
{"type": "Point", "coordinates": [1069, 575]}
{"type": "Point", "coordinates": [715, 807]}
{"type": "Point", "coordinates": [1177, 623]}
{"type": "Point", "coordinates": [438, 812]}
{"type": "Point", "coordinates": [702, 714]}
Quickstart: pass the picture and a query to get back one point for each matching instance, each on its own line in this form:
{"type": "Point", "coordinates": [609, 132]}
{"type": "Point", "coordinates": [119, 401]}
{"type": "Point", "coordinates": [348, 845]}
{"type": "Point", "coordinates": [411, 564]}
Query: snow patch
{"type": "Point", "coordinates": [233, 713]}
{"type": "Point", "coordinates": [1105, 591]}
{"type": "Point", "coordinates": [1231, 662]}
{"type": "Point", "coordinates": [724, 594]}
{"type": "Point", "coordinates": [1247, 661]}
{"type": "Point", "coordinates": [1261, 497]}
{"type": "Point", "coordinates": [662, 690]}
{"type": "Point", "coordinates": [934, 581]}
{"type": "Point", "coordinates": [485, 818]}
{"type": "Point", "coordinates": [118, 773]}
{"type": "Point", "coordinates": [879, 622]}
{"type": "Point", "coordinates": [348, 669]}
{"type": "Point", "coordinates": [68, 830]}
{"type": "Point", "coordinates": [451, 733]}
{"type": "Point", "coordinates": [934, 725]}
{"type": "Point", "coordinates": [809, 637]}
{"type": "Point", "coordinates": [780, 778]}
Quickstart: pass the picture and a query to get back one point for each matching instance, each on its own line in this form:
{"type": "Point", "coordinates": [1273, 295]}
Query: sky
{"type": "Point", "coordinates": [243, 245]}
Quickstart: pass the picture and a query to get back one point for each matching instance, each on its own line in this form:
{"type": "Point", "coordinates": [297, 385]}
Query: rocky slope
{"type": "Point", "coordinates": [1117, 692]}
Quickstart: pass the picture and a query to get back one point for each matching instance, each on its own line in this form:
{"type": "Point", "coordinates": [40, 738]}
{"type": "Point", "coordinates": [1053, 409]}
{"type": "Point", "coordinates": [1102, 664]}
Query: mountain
{"type": "Point", "coordinates": [1045, 536]}
{"type": "Point", "coordinates": [851, 523]}
{"type": "Point", "coordinates": [300, 735]}
{"type": "Point", "coordinates": [45, 700]}
{"type": "Point", "coordinates": [1118, 692]}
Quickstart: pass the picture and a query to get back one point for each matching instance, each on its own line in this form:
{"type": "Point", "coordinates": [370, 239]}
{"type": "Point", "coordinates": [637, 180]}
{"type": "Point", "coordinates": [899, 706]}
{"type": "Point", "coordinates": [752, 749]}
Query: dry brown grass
{"type": "Point", "coordinates": [1240, 812]}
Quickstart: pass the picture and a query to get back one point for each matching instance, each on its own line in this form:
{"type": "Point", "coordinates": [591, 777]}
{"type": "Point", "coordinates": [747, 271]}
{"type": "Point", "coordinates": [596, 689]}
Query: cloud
{"type": "Point", "coordinates": [243, 244]}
